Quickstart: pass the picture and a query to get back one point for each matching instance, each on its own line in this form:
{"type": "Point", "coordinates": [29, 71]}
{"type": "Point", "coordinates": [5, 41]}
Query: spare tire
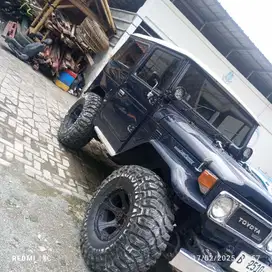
{"type": "Point", "coordinates": [77, 128]}
{"type": "Point", "coordinates": [128, 222]}
{"type": "Point", "coordinates": [93, 36]}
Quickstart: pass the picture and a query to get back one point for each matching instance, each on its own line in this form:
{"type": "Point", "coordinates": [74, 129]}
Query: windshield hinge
{"type": "Point", "coordinates": [203, 165]}
{"type": "Point", "coordinates": [219, 144]}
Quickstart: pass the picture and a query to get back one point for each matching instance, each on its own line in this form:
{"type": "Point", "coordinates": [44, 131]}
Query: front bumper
{"type": "Point", "coordinates": [187, 262]}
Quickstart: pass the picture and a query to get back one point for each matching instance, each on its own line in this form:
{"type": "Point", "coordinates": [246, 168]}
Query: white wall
{"type": "Point", "coordinates": [172, 25]}
{"type": "Point", "coordinates": [100, 60]}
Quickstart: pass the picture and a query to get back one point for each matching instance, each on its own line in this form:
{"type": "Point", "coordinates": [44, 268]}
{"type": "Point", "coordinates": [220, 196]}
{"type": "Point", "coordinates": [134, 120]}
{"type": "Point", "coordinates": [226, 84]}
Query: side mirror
{"type": "Point", "coordinates": [156, 83]}
{"type": "Point", "coordinates": [175, 94]}
{"type": "Point", "coordinates": [242, 155]}
{"type": "Point", "coordinates": [246, 155]}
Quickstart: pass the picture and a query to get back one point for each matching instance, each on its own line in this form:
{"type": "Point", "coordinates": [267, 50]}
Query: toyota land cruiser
{"type": "Point", "coordinates": [184, 193]}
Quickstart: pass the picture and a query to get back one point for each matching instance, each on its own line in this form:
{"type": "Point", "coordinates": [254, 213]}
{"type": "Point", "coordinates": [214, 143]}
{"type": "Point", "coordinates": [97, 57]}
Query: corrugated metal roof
{"type": "Point", "coordinates": [224, 33]}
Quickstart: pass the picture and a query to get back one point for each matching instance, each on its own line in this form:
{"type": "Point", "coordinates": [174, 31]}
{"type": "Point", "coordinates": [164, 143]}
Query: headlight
{"type": "Point", "coordinates": [222, 207]}
{"type": "Point", "coordinates": [269, 246]}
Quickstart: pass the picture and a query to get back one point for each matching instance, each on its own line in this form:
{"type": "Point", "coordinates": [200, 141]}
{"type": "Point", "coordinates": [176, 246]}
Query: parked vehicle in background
{"type": "Point", "coordinates": [184, 193]}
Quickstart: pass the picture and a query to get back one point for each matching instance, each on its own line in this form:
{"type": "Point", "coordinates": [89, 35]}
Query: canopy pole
{"type": "Point", "coordinates": [51, 8]}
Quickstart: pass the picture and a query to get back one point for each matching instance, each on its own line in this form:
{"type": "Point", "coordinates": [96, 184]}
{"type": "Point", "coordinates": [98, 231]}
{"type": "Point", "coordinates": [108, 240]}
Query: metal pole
{"type": "Point", "coordinates": [41, 13]}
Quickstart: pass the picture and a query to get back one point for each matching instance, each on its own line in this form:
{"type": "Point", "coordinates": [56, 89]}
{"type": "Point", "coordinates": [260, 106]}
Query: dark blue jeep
{"type": "Point", "coordinates": [184, 193]}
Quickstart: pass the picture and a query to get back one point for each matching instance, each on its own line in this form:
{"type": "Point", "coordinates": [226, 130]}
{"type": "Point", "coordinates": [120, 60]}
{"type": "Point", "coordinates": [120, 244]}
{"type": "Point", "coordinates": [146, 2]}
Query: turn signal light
{"type": "Point", "coordinates": [206, 181]}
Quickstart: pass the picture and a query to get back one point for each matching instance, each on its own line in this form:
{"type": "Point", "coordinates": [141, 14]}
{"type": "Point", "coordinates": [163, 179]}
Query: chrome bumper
{"type": "Point", "coordinates": [187, 262]}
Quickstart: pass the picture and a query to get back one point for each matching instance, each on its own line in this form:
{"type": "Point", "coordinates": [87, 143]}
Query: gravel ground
{"type": "Point", "coordinates": [40, 227]}
{"type": "Point", "coordinates": [42, 200]}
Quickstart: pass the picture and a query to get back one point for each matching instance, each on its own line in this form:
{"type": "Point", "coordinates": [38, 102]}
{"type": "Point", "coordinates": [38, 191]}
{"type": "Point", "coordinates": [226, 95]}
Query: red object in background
{"type": "Point", "coordinates": [71, 73]}
{"type": "Point", "coordinates": [10, 30]}
{"type": "Point", "coordinates": [47, 52]}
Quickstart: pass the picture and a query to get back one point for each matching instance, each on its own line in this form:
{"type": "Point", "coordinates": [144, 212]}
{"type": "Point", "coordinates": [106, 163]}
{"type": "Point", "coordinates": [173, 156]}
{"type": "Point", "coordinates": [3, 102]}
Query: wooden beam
{"type": "Point", "coordinates": [108, 14]}
{"type": "Point", "coordinates": [51, 8]}
{"type": "Point", "coordinates": [65, 6]}
{"type": "Point", "coordinates": [40, 14]}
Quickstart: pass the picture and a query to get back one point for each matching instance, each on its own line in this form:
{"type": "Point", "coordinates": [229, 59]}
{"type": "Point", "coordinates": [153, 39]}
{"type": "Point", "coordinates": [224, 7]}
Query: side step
{"type": "Point", "coordinates": [105, 141]}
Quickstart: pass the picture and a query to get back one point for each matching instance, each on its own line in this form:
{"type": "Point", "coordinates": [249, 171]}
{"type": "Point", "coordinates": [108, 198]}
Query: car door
{"type": "Point", "coordinates": [119, 67]}
{"type": "Point", "coordinates": [137, 96]}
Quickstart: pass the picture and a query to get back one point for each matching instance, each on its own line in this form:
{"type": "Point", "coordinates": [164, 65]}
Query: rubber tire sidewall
{"type": "Point", "coordinates": [81, 131]}
{"type": "Point", "coordinates": [144, 238]}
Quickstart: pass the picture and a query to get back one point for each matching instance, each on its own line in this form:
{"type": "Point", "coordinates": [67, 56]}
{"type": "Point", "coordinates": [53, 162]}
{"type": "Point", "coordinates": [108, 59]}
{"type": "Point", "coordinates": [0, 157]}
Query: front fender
{"type": "Point", "coordinates": [183, 180]}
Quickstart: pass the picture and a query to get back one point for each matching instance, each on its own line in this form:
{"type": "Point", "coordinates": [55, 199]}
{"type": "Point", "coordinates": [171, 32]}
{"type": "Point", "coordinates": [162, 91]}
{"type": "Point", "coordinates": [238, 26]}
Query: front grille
{"type": "Point", "coordinates": [156, 135]}
{"type": "Point", "coordinates": [244, 222]}
{"type": "Point", "coordinates": [247, 225]}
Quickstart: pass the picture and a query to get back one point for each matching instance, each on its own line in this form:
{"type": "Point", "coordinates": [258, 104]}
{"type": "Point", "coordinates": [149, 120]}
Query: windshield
{"type": "Point", "coordinates": [207, 98]}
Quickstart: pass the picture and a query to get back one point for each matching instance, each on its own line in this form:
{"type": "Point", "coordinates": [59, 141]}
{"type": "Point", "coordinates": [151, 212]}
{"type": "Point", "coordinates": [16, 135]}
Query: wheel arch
{"type": "Point", "coordinates": [147, 156]}
{"type": "Point", "coordinates": [181, 179]}
{"type": "Point", "coordinates": [97, 90]}
{"type": "Point", "coordinates": [151, 222]}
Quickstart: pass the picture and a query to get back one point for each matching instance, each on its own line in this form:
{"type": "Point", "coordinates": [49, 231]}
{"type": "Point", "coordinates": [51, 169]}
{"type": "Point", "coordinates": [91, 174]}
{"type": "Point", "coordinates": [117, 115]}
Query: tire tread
{"type": "Point", "coordinates": [82, 131]}
{"type": "Point", "coordinates": [148, 233]}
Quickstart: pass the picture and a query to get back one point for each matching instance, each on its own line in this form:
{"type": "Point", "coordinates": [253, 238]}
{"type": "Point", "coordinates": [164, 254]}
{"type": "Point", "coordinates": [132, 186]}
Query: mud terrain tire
{"type": "Point", "coordinates": [145, 230]}
{"type": "Point", "coordinates": [77, 128]}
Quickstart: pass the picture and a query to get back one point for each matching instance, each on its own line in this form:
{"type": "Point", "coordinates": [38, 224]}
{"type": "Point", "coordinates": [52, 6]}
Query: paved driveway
{"type": "Point", "coordinates": [30, 111]}
{"type": "Point", "coordinates": [44, 188]}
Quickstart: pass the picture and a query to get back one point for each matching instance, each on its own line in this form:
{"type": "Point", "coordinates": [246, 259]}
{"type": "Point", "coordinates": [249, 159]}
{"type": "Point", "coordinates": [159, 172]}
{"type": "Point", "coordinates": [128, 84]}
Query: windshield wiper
{"type": "Point", "coordinates": [199, 121]}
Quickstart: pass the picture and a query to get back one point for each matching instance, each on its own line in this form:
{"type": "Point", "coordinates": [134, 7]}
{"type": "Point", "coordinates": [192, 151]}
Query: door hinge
{"type": "Point", "coordinates": [121, 93]}
{"type": "Point", "coordinates": [130, 128]}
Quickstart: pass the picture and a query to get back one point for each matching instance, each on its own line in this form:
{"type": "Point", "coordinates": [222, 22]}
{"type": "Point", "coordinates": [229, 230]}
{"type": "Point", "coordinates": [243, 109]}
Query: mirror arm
{"type": "Point", "coordinates": [150, 94]}
{"type": "Point", "coordinates": [156, 84]}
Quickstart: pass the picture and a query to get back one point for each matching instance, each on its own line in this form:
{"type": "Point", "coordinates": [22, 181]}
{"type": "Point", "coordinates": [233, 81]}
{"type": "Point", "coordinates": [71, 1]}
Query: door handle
{"type": "Point", "coordinates": [121, 93]}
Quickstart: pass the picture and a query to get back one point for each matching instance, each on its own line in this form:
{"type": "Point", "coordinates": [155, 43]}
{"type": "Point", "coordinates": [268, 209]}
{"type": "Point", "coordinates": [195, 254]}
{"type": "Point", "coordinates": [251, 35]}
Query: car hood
{"type": "Point", "coordinates": [222, 165]}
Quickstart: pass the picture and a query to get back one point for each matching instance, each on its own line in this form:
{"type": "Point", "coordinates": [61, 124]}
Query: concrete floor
{"type": "Point", "coordinates": [44, 187]}
{"type": "Point", "coordinates": [39, 227]}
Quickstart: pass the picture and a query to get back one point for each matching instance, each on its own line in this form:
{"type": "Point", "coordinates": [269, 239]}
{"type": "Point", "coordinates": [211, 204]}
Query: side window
{"type": "Point", "coordinates": [193, 82]}
{"type": "Point", "coordinates": [160, 69]}
{"type": "Point", "coordinates": [131, 53]}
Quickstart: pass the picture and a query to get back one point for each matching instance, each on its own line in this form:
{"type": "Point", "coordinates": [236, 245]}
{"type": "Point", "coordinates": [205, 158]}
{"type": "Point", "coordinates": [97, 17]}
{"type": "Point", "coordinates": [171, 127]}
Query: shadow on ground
{"type": "Point", "coordinates": [98, 166]}
{"type": "Point", "coordinates": [92, 165]}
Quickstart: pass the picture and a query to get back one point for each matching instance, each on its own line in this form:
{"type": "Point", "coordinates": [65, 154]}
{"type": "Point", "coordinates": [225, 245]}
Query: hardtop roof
{"type": "Point", "coordinates": [205, 67]}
